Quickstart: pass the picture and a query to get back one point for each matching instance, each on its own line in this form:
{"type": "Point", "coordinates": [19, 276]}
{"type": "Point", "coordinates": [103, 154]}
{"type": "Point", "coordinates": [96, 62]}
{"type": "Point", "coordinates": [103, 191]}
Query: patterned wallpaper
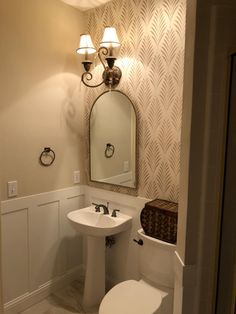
{"type": "Point", "coordinates": [152, 34]}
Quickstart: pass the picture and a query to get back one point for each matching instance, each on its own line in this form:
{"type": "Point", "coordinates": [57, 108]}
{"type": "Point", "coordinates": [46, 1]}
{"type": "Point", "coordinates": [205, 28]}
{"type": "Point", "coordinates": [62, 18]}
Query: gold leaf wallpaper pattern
{"type": "Point", "coordinates": [152, 34]}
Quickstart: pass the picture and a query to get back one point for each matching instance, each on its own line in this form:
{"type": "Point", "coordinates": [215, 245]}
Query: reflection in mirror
{"type": "Point", "coordinates": [113, 140]}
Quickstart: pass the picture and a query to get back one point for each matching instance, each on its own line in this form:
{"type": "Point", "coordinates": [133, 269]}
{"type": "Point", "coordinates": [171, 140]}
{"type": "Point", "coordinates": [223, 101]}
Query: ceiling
{"type": "Point", "coordinates": [84, 5]}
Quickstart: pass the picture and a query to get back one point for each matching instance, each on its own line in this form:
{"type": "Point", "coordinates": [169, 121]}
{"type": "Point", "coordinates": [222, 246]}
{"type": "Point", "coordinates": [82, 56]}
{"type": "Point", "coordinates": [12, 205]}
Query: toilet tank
{"type": "Point", "coordinates": [156, 260]}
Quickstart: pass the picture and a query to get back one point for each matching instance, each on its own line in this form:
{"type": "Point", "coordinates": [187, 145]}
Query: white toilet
{"type": "Point", "coordinates": [153, 294]}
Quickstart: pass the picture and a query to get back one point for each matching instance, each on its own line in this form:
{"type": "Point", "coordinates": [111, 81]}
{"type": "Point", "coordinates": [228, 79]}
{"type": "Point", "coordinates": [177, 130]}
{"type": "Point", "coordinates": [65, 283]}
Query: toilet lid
{"type": "Point", "coordinates": [131, 297]}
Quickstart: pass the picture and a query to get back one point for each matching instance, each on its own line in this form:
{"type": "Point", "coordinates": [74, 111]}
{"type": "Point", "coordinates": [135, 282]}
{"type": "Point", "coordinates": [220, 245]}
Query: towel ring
{"type": "Point", "coordinates": [47, 157]}
{"type": "Point", "coordinates": [109, 150]}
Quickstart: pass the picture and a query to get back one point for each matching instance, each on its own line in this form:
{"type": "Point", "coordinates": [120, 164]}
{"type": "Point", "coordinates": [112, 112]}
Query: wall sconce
{"type": "Point", "coordinates": [111, 74]}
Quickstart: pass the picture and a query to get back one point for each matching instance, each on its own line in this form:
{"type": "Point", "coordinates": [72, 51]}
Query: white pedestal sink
{"type": "Point", "coordinates": [96, 226]}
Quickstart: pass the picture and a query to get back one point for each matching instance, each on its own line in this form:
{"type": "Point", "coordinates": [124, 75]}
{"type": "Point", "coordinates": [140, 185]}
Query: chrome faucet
{"type": "Point", "coordinates": [104, 207]}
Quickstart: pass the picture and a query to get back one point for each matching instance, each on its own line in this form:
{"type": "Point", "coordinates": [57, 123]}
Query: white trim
{"type": "Point", "coordinates": [185, 286]}
{"type": "Point", "coordinates": [21, 203]}
{"type": "Point", "coordinates": [184, 274]}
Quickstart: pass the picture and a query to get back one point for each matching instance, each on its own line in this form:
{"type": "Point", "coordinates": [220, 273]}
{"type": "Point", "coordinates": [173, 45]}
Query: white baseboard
{"type": "Point", "coordinates": [27, 300]}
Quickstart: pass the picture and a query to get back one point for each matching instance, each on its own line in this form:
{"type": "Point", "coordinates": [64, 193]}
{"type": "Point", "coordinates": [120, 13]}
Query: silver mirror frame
{"type": "Point", "coordinates": [136, 144]}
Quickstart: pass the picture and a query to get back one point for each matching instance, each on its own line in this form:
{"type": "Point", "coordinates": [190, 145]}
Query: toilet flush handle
{"type": "Point", "coordinates": [140, 242]}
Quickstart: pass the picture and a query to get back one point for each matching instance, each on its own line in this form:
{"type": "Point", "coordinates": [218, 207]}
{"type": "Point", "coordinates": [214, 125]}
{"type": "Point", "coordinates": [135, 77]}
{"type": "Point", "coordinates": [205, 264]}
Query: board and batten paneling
{"type": "Point", "coordinates": [39, 245]}
{"type": "Point", "coordinates": [44, 234]}
{"type": "Point", "coordinates": [15, 254]}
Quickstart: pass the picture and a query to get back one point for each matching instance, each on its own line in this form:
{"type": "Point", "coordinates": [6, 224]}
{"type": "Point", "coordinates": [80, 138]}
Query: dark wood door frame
{"type": "Point", "coordinates": [226, 281]}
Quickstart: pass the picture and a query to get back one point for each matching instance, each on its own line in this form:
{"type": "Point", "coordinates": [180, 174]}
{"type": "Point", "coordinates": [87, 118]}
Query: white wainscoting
{"type": "Point", "coordinates": [41, 251]}
{"type": "Point", "coordinates": [39, 247]}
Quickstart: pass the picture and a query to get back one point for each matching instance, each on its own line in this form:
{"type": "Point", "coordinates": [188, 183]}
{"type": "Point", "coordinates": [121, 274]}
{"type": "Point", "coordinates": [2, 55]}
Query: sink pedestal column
{"type": "Point", "coordinates": [94, 288]}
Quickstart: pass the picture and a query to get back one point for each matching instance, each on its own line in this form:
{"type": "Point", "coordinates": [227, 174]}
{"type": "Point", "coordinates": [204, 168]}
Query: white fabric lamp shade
{"type": "Point", "coordinates": [86, 45]}
{"type": "Point", "coordinates": [110, 38]}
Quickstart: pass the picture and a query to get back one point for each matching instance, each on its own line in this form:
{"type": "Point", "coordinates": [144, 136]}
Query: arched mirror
{"type": "Point", "coordinates": [112, 126]}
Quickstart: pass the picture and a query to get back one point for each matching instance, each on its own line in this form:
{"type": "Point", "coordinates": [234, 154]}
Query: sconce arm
{"type": "Point", "coordinates": [102, 51]}
{"type": "Point", "coordinates": [89, 76]}
{"type": "Point", "coordinates": [111, 73]}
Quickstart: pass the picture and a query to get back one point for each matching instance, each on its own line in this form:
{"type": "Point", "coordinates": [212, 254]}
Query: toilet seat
{"type": "Point", "coordinates": [131, 297]}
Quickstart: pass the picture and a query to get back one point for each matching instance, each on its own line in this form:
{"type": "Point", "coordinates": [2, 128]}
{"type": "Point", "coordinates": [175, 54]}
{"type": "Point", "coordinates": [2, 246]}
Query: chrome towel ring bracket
{"type": "Point", "coordinates": [47, 157]}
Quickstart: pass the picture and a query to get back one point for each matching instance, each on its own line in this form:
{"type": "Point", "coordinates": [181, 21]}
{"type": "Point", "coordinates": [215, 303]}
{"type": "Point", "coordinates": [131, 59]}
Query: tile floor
{"type": "Point", "coordinates": [64, 301]}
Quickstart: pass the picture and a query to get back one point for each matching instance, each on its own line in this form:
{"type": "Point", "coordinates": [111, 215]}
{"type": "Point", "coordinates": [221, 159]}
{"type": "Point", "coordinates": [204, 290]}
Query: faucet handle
{"type": "Point", "coordinates": [97, 207]}
{"type": "Point", "coordinates": [114, 212]}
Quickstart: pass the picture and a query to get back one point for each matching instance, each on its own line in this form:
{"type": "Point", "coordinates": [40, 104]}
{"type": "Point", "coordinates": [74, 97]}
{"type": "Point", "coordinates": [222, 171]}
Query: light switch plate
{"type": "Point", "coordinates": [12, 188]}
{"type": "Point", "coordinates": [76, 176]}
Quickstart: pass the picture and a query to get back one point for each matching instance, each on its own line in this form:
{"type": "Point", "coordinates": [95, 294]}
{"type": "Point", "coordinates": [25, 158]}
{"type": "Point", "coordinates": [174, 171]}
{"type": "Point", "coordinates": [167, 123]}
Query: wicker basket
{"type": "Point", "coordinates": [159, 220]}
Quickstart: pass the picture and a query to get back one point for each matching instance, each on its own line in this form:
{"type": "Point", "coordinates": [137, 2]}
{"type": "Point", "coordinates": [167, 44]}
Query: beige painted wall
{"type": "Point", "coordinates": [152, 35]}
{"type": "Point", "coordinates": [41, 101]}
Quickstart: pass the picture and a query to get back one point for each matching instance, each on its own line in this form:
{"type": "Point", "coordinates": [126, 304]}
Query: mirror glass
{"type": "Point", "coordinates": [112, 126]}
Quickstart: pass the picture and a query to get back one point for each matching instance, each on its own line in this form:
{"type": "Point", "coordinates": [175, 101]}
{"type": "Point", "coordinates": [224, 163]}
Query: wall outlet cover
{"type": "Point", "coordinates": [126, 166]}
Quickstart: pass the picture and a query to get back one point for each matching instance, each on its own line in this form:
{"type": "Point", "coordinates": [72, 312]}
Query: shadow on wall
{"type": "Point", "coordinates": [45, 107]}
{"type": "Point", "coordinates": [50, 114]}
{"type": "Point", "coordinates": [68, 260]}
{"type": "Point", "coordinates": [73, 104]}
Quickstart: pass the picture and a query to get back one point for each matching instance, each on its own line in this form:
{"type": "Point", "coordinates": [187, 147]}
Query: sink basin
{"type": "Point", "coordinates": [91, 223]}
